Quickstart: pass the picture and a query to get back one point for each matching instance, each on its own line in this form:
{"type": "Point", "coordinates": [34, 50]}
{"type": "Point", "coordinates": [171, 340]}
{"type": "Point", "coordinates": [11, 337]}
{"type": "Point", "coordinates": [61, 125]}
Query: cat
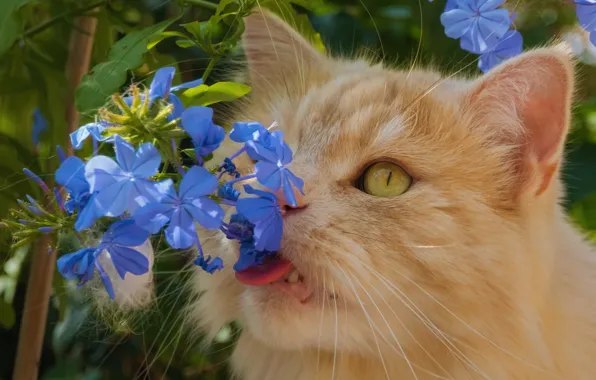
{"type": "Point", "coordinates": [464, 267]}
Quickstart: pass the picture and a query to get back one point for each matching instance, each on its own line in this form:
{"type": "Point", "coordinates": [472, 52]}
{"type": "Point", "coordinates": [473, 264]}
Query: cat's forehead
{"type": "Point", "coordinates": [375, 112]}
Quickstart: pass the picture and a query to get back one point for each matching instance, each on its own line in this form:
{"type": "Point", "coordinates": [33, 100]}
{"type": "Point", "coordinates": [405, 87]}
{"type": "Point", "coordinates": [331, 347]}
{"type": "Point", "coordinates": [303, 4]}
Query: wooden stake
{"type": "Point", "coordinates": [39, 286]}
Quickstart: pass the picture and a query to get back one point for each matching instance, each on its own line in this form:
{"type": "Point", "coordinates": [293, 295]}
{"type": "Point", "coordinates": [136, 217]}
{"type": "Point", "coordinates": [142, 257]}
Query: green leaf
{"type": "Point", "coordinates": [7, 315]}
{"type": "Point", "coordinates": [185, 44]}
{"type": "Point", "coordinates": [107, 78]}
{"type": "Point", "coordinates": [9, 23]}
{"type": "Point", "coordinates": [162, 36]}
{"type": "Point", "coordinates": [219, 92]}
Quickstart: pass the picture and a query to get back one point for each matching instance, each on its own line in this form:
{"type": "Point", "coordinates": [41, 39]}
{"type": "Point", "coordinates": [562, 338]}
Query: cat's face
{"type": "Point", "coordinates": [421, 198]}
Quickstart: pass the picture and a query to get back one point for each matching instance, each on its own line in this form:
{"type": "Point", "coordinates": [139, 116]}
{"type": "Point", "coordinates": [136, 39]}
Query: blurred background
{"type": "Point", "coordinates": [39, 57]}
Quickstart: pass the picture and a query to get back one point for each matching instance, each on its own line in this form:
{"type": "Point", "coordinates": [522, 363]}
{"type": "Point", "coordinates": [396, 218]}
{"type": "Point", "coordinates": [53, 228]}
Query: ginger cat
{"type": "Point", "coordinates": [464, 267]}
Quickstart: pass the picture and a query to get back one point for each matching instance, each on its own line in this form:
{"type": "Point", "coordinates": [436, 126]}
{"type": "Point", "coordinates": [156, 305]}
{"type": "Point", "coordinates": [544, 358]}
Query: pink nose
{"type": "Point", "coordinates": [288, 208]}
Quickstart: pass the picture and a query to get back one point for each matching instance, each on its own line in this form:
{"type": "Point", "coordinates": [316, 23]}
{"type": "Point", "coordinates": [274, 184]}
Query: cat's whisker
{"type": "Point", "coordinates": [440, 335]}
{"type": "Point", "coordinates": [162, 328]}
{"type": "Point", "coordinates": [371, 324]}
{"type": "Point", "coordinates": [321, 319]}
{"type": "Point", "coordinates": [336, 333]}
{"type": "Point", "coordinates": [507, 352]}
{"type": "Point", "coordinates": [402, 354]}
{"type": "Point", "coordinates": [372, 19]}
{"type": "Point", "coordinates": [418, 49]}
{"type": "Point", "coordinates": [408, 330]}
{"type": "Point", "coordinates": [405, 356]}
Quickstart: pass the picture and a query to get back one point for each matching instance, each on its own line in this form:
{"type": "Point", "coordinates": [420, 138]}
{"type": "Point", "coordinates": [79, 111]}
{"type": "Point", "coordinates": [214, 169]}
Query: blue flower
{"type": "Point", "coordinates": [78, 265]}
{"type": "Point", "coordinates": [78, 137]}
{"type": "Point", "coordinates": [206, 136]}
{"type": "Point", "coordinates": [39, 126]}
{"type": "Point", "coordinates": [161, 88]}
{"type": "Point", "coordinates": [586, 14]}
{"type": "Point", "coordinates": [227, 191]}
{"type": "Point", "coordinates": [477, 22]}
{"type": "Point", "coordinates": [209, 265]}
{"type": "Point", "coordinates": [228, 166]}
{"type": "Point", "coordinates": [249, 131]}
{"type": "Point", "coordinates": [182, 209]}
{"type": "Point", "coordinates": [71, 175]}
{"type": "Point", "coordinates": [117, 241]}
{"type": "Point", "coordinates": [265, 214]}
{"type": "Point", "coordinates": [509, 46]}
{"type": "Point", "coordinates": [451, 4]}
{"type": "Point", "coordinates": [249, 256]}
{"type": "Point", "coordinates": [239, 228]}
{"type": "Point", "coordinates": [271, 169]}
{"type": "Point", "coordinates": [123, 185]}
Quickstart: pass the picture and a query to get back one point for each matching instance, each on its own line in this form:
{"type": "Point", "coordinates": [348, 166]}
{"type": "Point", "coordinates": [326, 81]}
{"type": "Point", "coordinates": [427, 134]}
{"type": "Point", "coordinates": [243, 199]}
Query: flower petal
{"type": "Point", "coordinates": [206, 212]}
{"type": "Point", "coordinates": [125, 153]}
{"type": "Point", "coordinates": [268, 233]}
{"type": "Point", "coordinates": [197, 182]}
{"type": "Point", "coordinates": [161, 83]}
{"type": "Point", "coordinates": [146, 161]}
{"type": "Point", "coordinates": [255, 209]}
{"type": "Point", "coordinates": [153, 217]}
{"type": "Point", "coordinates": [114, 199]}
{"type": "Point", "coordinates": [243, 132]}
{"type": "Point", "coordinates": [107, 283]}
{"type": "Point", "coordinates": [102, 172]}
{"type": "Point", "coordinates": [71, 175]}
{"type": "Point", "coordinates": [268, 175]}
{"type": "Point", "coordinates": [457, 22]}
{"type": "Point", "coordinates": [87, 215]}
{"type": "Point", "coordinates": [196, 122]}
{"type": "Point", "coordinates": [128, 260]}
{"type": "Point", "coordinates": [181, 233]}
{"type": "Point", "coordinates": [178, 107]}
{"type": "Point", "coordinates": [125, 232]}
{"type": "Point", "coordinates": [191, 84]}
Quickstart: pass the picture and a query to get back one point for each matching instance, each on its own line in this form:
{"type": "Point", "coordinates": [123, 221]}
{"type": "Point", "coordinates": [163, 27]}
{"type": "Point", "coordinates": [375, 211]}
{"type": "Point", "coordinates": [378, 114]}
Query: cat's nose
{"type": "Point", "coordinates": [286, 207]}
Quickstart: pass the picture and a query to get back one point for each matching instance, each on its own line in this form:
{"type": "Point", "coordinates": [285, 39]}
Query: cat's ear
{"type": "Point", "coordinates": [277, 55]}
{"type": "Point", "coordinates": [525, 103]}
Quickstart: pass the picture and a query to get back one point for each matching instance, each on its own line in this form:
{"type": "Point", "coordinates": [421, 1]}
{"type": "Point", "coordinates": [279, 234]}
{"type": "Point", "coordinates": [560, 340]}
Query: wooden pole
{"type": "Point", "coordinates": [39, 286]}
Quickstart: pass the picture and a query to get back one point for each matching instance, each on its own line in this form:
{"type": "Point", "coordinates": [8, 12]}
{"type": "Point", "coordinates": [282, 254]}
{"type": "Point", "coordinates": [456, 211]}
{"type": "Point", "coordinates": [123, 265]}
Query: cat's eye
{"type": "Point", "coordinates": [384, 179]}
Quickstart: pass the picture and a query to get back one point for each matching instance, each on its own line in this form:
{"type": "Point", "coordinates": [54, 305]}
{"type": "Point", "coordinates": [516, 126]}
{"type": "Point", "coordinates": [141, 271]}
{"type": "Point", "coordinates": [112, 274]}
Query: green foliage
{"type": "Point", "coordinates": [107, 78]}
{"type": "Point", "coordinates": [9, 23]}
{"type": "Point", "coordinates": [205, 95]}
{"type": "Point", "coordinates": [203, 39]}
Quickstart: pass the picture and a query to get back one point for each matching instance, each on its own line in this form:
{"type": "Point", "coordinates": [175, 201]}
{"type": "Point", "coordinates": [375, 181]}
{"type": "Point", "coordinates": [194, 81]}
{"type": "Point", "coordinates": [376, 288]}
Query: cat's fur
{"type": "Point", "coordinates": [473, 273]}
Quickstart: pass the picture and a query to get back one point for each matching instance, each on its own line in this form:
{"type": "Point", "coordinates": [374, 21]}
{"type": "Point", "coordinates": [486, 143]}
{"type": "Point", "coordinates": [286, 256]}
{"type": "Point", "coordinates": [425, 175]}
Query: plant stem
{"type": "Point", "coordinates": [40, 28]}
{"type": "Point", "coordinates": [202, 3]}
{"type": "Point", "coordinates": [210, 67]}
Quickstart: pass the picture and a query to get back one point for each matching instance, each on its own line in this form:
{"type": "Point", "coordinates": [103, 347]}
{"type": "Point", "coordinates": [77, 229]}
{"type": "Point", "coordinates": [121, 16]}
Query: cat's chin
{"type": "Point", "coordinates": [284, 313]}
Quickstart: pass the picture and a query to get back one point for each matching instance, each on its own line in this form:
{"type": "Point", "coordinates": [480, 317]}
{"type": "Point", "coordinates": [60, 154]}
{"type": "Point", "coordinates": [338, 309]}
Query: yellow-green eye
{"type": "Point", "coordinates": [384, 179]}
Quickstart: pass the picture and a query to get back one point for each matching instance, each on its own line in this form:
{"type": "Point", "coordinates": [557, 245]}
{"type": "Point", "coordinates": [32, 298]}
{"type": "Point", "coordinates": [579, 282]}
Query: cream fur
{"type": "Point", "coordinates": [474, 273]}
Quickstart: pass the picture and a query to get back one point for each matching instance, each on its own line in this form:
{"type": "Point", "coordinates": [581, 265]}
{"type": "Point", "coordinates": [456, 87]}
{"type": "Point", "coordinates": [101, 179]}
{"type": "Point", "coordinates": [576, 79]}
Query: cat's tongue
{"type": "Point", "coordinates": [272, 269]}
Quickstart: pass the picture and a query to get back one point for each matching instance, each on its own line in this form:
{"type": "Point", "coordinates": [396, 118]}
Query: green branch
{"type": "Point", "coordinates": [73, 12]}
{"type": "Point", "coordinates": [202, 3]}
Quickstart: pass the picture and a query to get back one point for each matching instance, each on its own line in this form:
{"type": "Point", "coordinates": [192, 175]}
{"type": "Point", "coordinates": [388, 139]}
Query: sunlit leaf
{"type": "Point", "coordinates": [162, 36]}
{"type": "Point", "coordinates": [219, 92]}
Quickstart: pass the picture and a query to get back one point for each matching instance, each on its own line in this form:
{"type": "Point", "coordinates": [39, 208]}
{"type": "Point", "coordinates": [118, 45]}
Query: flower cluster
{"type": "Point", "coordinates": [145, 189]}
{"type": "Point", "coordinates": [484, 28]}
{"type": "Point", "coordinates": [586, 14]}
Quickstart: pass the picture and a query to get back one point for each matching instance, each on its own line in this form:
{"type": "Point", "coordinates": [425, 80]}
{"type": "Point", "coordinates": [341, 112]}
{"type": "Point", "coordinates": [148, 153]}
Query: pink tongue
{"type": "Point", "coordinates": [271, 270]}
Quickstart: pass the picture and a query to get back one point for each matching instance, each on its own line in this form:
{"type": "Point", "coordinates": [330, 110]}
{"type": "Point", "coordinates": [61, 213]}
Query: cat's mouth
{"type": "Point", "coordinates": [279, 273]}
